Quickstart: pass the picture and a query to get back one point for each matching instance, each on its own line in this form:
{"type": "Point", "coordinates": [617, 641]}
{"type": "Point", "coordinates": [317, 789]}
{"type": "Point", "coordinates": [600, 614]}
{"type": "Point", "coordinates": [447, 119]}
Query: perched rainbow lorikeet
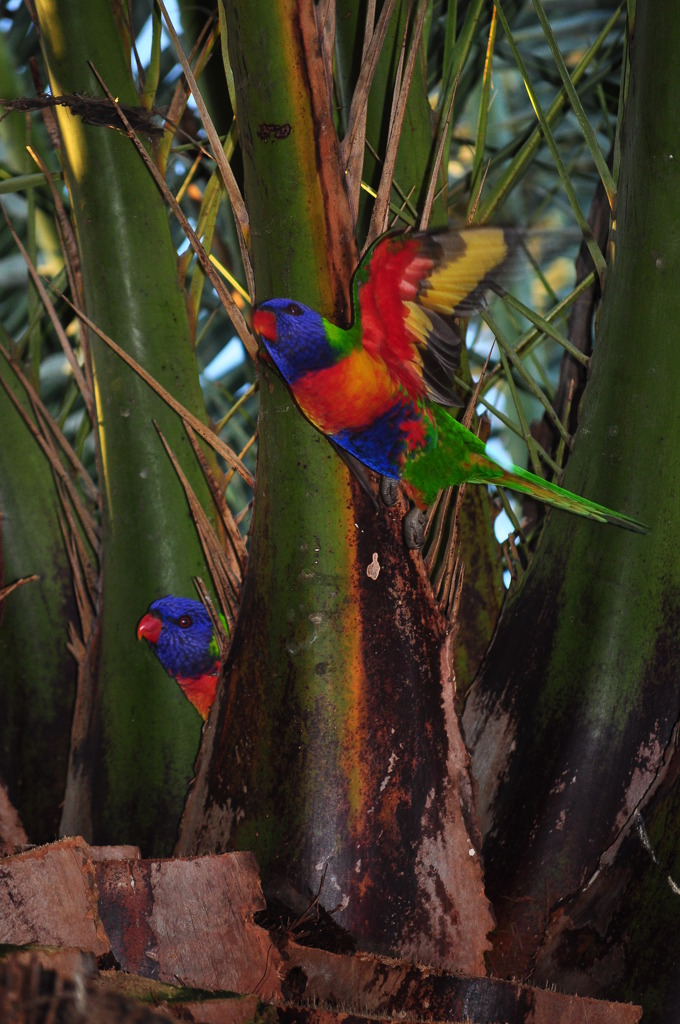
{"type": "Point", "coordinates": [181, 633]}
{"type": "Point", "coordinates": [373, 387]}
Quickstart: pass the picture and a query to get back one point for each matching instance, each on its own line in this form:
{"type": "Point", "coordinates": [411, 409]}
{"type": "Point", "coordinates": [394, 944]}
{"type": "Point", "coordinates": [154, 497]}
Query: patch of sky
{"type": "Point", "coordinates": [144, 38]}
{"type": "Point", "coordinates": [10, 7]}
{"type": "Point", "coordinates": [482, 344]}
{"type": "Point", "coordinates": [227, 359]}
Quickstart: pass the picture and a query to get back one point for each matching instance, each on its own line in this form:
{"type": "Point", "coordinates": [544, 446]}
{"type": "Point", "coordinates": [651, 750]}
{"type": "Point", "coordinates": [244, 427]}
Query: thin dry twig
{"type": "Point", "coordinates": [220, 632]}
{"type": "Point", "coordinates": [201, 429]}
{"type": "Point", "coordinates": [235, 198]}
{"type": "Point", "coordinates": [51, 452]}
{"type": "Point", "coordinates": [51, 312]}
{"type": "Point", "coordinates": [11, 587]}
{"type": "Point", "coordinates": [91, 110]}
{"type": "Point", "coordinates": [227, 586]}
{"type": "Point", "coordinates": [236, 541]}
{"type": "Point", "coordinates": [325, 20]}
{"type": "Point", "coordinates": [235, 314]}
{"type": "Point", "coordinates": [401, 91]}
{"type": "Point", "coordinates": [432, 185]}
{"type": "Point", "coordinates": [48, 427]}
{"type": "Point", "coordinates": [198, 59]}
{"type": "Point", "coordinates": [448, 582]}
{"type": "Point", "coordinates": [84, 574]}
{"type": "Point", "coordinates": [474, 205]}
{"type": "Point", "coordinates": [69, 248]}
{"type": "Point", "coordinates": [352, 146]}
{"type": "Point", "coordinates": [47, 113]}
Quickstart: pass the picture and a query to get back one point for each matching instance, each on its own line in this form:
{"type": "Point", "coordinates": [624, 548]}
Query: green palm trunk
{"type": "Point", "coordinates": [335, 678]}
{"type": "Point", "coordinates": [38, 679]}
{"type": "Point", "coordinates": [141, 740]}
{"type": "Point", "coordinates": [575, 709]}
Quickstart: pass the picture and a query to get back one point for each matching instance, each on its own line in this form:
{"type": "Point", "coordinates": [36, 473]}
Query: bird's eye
{"type": "Point", "coordinates": [293, 309]}
{"type": "Point", "coordinates": [184, 621]}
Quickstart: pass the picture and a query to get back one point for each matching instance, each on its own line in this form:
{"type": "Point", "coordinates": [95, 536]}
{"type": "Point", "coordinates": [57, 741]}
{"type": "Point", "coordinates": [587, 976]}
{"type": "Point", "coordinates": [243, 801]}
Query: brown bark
{"type": "Point", "coordinates": [189, 923]}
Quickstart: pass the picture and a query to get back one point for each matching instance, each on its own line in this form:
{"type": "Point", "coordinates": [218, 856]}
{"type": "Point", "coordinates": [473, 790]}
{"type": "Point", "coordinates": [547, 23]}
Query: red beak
{"type": "Point", "coordinates": [264, 323]}
{"type": "Point", "coordinates": [149, 628]}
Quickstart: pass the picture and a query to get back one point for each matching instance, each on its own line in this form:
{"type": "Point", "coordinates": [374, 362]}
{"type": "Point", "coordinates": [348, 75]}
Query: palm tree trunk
{"type": "Point", "coordinates": [573, 716]}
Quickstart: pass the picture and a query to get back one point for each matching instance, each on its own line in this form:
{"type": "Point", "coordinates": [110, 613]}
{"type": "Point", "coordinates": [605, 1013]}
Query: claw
{"type": "Point", "coordinates": [414, 528]}
{"type": "Point", "coordinates": [389, 490]}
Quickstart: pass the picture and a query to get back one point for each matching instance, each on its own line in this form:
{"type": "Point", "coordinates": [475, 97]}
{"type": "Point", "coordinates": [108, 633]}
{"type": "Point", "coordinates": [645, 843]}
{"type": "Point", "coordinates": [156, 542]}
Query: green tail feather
{"type": "Point", "coordinates": [459, 456]}
{"type": "Point", "coordinates": [525, 482]}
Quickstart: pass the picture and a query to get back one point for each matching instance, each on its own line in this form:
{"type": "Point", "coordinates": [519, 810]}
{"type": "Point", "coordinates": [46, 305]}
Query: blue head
{"type": "Point", "coordinates": [182, 636]}
{"type": "Point", "coordinates": [295, 336]}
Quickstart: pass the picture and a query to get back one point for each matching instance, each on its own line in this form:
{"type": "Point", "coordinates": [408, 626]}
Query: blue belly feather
{"type": "Point", "coordinates": [382, 445]}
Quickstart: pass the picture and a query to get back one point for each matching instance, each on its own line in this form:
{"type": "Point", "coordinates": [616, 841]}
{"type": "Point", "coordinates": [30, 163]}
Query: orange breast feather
{"type": "Point", "coordinates": [347, 396]}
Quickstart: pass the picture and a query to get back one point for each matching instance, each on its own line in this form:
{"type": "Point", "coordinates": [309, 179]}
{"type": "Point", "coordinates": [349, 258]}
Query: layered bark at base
{"type": "Point", "coordinates": [144, 940]}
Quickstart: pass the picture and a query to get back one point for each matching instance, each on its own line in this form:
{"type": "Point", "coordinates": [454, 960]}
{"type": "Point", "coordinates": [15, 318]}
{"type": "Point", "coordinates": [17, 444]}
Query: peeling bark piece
{"type": "Point", "coordinates": [103, 853]}
{"type": "Point", "coordinates": [48, 897]}
{"type": "Point", "coordinates": [190, 922]}
{"type": "Point", "coordinates": [393, 989]}
{"type": "Point", "coordinates": [619, 932]}
{"type": "Point", "coordinates": [12, 834]}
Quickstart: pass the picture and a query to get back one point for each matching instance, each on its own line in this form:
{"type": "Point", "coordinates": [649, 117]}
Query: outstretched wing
{"type": "Point", "coordinates": [404, 287]}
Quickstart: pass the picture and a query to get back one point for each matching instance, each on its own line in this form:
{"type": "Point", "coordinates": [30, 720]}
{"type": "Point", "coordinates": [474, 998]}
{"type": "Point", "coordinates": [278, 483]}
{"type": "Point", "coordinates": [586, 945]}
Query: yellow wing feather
{"type": "Point", "coordinates": [469, 258]}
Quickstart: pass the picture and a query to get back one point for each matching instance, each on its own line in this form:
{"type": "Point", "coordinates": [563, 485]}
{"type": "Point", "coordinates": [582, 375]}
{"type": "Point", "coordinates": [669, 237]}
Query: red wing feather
{"type": "Point", "coordinates": [389, 277]}
{"type": "Point", "coordinates": [402, 286]}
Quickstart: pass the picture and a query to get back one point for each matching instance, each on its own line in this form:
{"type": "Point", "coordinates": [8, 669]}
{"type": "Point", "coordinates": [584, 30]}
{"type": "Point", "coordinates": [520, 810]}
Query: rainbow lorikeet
{"type": "Point", "coordinates": [376, 387]}
{"type": "Point", "coordinates": [181, 633]}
